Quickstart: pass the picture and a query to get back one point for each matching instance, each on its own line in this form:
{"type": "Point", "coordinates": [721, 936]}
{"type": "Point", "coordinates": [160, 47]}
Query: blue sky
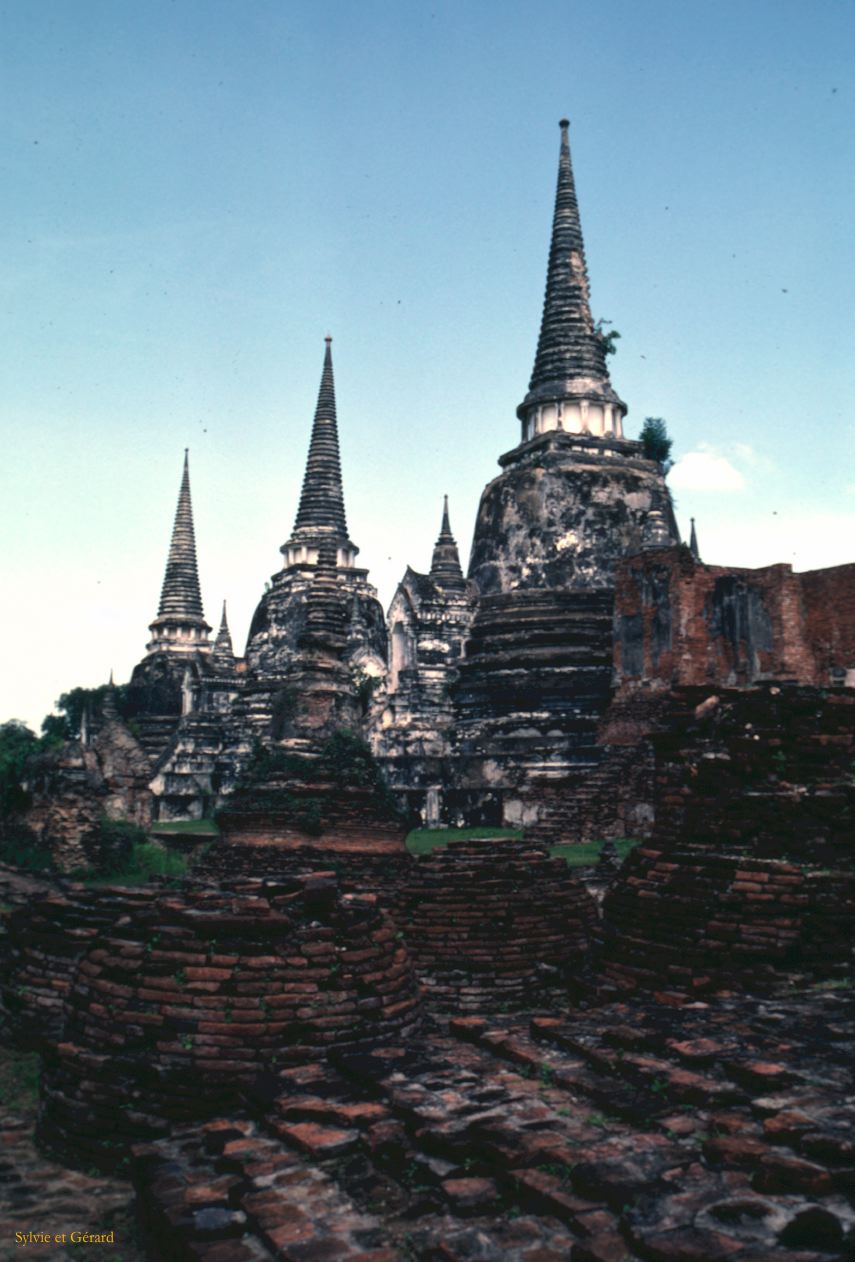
{"type": "Point", "coordinates": [195, 192]}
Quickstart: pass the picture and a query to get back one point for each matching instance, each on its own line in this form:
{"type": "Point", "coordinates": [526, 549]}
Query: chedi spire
{"type": "Point", "coordinates": [693, 543]}
{"type": "Point", "coordinates": [445, 564]}
{"type": "Point", "coordinates": [321, 516]}
{"type": "Point", "coordinates": [570, 387]}
{"type": "Point", "coordinates": [180, 624]}
{"type": "Point", "coordinates": [223, 650]}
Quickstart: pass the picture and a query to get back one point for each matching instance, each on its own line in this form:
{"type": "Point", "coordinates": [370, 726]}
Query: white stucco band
{"type": "Point", "coordinates": [303, 554]}
{"type": "Point", "coordinates": [575, 416]}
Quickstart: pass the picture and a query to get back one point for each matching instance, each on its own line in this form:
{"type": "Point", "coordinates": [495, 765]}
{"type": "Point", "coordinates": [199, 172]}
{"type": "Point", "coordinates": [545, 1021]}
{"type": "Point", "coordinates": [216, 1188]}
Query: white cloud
{"type": "Point", "coordinates": [705, 471]}
{"type": "Point", "coordinates": [748, 455]}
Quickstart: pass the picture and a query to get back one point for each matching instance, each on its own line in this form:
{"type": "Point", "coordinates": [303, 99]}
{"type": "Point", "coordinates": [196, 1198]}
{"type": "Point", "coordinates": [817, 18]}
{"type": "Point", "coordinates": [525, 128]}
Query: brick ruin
{"type": "Point", "coordinates": [321, 1047]}
{"type": "Point", "coordinates": [679, 622]}
{"type": "Point", "coordinates": [472, 1062]}
{"type": "Point", "coordinates": [176, 1006]}
{"type": "Point", "coordinates": [481, 918]}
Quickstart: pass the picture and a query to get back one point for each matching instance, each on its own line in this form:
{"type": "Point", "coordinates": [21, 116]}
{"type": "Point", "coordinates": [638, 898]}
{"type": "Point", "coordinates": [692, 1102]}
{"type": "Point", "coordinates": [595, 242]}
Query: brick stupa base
{"type": "Point", "coordinates": [481, 917]}
{"type": "Point", "coordinates": [182, 1005]}
{"type": "Point", "coordinates": [321, 817]}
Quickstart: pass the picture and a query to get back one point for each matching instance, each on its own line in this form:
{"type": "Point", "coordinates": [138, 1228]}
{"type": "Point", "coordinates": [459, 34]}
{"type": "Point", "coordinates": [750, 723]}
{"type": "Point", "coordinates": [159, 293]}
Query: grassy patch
{"type": "Point", "coordinates": [19, 1080]}
{"type": "Point", "coordinates": [423, 840]}
{"type": "Point", "coordinates": [146, 860]}
{"type": "Point", "coordinates": [207, 826]}
{"type": "Point", "coordinates": [587, 853]}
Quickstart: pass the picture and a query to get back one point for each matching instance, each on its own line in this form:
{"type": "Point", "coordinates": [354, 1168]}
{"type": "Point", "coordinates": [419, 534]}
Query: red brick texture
{"type": "Point", "coordinates": [679, 622]}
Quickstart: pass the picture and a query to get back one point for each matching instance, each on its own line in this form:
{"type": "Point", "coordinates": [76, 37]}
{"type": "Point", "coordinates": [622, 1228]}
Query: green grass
{"type": "Point", "coordinates": [587, 853]}
{"type": "Point", "coordinates": [423, 840]}
{"type": "Point", "coordinates": [207, 826]}
{"type": "Point", "coordinates": [147, 860]}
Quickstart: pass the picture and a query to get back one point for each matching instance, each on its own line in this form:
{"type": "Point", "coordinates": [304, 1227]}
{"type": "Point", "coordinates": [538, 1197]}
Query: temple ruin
{"type": "Point", "coordinates": [318, 1045]}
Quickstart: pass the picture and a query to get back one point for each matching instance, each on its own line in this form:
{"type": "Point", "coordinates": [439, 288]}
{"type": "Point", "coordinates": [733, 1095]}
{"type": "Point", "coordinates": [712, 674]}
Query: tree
{"type": "Point", "coordinates": [17, 745]}
{"type": "Point", "coordinates": [73, 704]}
{"type": "Point", "coordinates": [657, 445]}
{"type": "Point", "coordinates": [56, 730]}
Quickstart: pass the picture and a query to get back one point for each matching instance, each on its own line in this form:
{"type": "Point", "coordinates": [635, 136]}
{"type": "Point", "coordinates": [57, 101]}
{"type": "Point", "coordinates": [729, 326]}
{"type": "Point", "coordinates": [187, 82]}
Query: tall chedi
{"type": "Point", "coordinates": [180, 625]}
{"type": "Point", "coordinates": [164, 683]}
{"type": "Point", "coordinates": [573, 497]}
{"type": "Point", "coordinates": [280, 619]}
{"type": "Point", "coordinates": [302, 782]}
{"type": "Point", "coordinates": [574, 494]}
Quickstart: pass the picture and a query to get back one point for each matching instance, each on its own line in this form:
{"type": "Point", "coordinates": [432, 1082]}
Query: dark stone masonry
{"type": "Point", "coordinates": [318, 1047]}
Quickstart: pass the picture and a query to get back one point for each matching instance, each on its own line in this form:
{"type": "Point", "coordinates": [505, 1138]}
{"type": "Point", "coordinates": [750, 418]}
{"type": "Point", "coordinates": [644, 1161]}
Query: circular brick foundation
{"type": "Point", "coordinates": [356, 871]}
{"type": "Point", "coordinates": [481, 916]}
{"type": "Point", "coordinates": [181, 1004]}
{"type": "Point", "coordinates": [43, 943]}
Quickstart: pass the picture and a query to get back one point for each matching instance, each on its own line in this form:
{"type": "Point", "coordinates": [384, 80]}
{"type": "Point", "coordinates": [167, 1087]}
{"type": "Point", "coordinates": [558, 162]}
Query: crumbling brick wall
{"type": "Point", "coordinates": [678, 622]}
{"type": "Point", "coordinates": [828, 598]}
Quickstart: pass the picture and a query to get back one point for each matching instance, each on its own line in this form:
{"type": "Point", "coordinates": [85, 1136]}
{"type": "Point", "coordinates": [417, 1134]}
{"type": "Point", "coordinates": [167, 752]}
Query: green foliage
{"type": "Point", "coordinates": [346, 759]}
{"type": "Point", "coordinates": [558, 1170]}
{"type": "Point", "coordinates": [145, 860]}
{"type": "Point", "coordinates": [656, 442]}
{"type": "Point", "coordinates": [266, 764]}
{"type": "Point", "coordinates": [599, 1120]}
{"type": "Point", "coordinates": [56, 730]}
{"type": "Point", "coordinates": [366, 686]}
{"type": "Point", "coordinates": [20, 848]}
{"type": "Point", "coordinates": [192, 826]}
{"type": "Point", "coordinates": [607, 338]}
{"type": "Point", "coordinates": [72, 704]}
{"type": "Point", "coordinates": [114, 845]}
{"type": "Point", "coordinates": [18, 744]}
